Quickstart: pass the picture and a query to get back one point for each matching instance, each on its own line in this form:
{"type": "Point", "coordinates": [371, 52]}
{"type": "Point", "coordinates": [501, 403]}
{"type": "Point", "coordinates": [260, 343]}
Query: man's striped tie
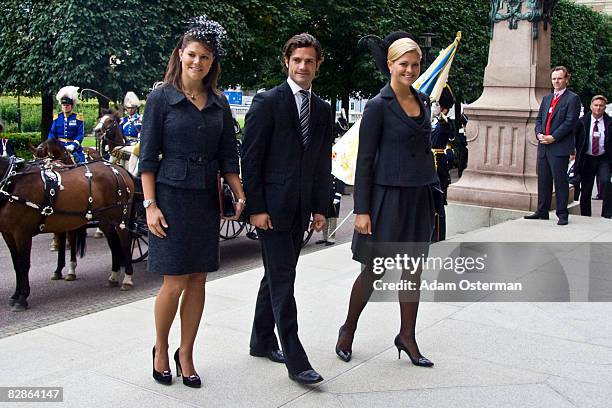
{"type": "Point", "coordinates": [305, 116]}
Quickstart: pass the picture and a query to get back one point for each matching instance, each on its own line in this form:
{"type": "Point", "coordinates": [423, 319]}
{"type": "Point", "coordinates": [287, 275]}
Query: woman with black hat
{"type": "Point", "coordinates": [393, 194]}
{"type": "Point", "coordinates": [189, 122]}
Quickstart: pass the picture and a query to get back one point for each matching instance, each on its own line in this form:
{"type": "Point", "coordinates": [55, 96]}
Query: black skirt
{"type": "Point", "coordinates": [398, 215]}
{"type": "Point", "coordinates": [192, 241]}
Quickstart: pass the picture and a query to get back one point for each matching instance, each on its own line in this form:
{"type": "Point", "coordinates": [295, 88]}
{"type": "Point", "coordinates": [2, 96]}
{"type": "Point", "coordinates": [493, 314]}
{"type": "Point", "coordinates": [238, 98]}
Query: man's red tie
{"type": "Point", "coordinates": [553, 104]}
{"type": "Point", "coordinates": [595, 140]}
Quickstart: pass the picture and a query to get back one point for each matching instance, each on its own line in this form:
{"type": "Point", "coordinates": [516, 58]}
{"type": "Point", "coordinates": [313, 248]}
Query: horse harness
{"type": "Point", "coordinates": [51, 174]}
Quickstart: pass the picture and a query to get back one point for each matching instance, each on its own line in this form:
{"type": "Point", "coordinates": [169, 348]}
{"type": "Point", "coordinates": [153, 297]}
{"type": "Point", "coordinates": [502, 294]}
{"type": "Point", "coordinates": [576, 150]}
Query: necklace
{"type": "Point", "coordinates": [193, 96]}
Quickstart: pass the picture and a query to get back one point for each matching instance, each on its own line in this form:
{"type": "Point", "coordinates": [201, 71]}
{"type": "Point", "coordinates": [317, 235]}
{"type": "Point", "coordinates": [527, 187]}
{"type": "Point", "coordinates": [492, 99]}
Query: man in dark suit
{"type": "Point", "coordinates": [286, 166]}
{"type": "Point", "coordinates": [554, 129]}
{"type": "Point", "coordinates": [594, 154]}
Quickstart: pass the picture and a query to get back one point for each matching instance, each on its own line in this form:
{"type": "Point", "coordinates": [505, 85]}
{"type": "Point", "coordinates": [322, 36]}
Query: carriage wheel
{"type": "Point", "coordinates": [231, 229]}
{"type": "Point", "coordinates": [140, 247]}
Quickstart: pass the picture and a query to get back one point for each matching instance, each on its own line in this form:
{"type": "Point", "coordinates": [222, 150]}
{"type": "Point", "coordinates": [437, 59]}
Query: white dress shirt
{"type": "Point", "coordinates": [295, 88]}
{"type": "Point", "coordinates": [557, 94]}
{"type": "Point", "coordinates": [602, 129]}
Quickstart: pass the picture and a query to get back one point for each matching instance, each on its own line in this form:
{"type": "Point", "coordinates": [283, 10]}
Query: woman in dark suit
{"type": "Point", "coordinates": [393, 186]}
{"type": "Point", "coordinates": [189, 122]}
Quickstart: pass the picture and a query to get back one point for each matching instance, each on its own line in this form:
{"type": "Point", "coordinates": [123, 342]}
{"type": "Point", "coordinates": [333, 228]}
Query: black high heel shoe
{"type": "Point", "coordinates": [420, 361]}
{"type": "Point", "coordinates": [192, 381]}
{"type": "Point", "coordinates": [165, 377]}
{"type": "Point", "coordinates": [344, 355]}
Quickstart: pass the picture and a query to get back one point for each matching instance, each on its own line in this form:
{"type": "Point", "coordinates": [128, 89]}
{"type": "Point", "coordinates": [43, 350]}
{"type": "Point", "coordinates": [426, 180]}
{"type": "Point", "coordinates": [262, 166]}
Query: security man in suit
{"type": "Point", "coordinates": [6, 147]}
{"type": "Point", "coordinates": [554, 129]}
{"type": "Point", "coordinates": [442, 133]}
{"type": "Point", "coordinates": [286, 166]}
{"type": "Point", "coordinates": [67, 126]}
{"type": "Point", "coordinates": [594, 154]}
{"type": "Point", "coordinates": [131, 124]}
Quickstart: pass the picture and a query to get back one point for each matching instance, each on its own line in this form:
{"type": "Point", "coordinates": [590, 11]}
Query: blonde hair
{"type": "Point", "coordinates": [599, 97]}
{"type": "Point", "coordinates": [402, 46]}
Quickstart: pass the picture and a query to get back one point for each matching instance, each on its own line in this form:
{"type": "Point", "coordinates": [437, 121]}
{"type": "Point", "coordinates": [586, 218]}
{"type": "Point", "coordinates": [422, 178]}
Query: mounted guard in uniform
{"type": "Point", "coordinates": [68, 127]}
{"type": "Point", "coordinates": [131, 124]}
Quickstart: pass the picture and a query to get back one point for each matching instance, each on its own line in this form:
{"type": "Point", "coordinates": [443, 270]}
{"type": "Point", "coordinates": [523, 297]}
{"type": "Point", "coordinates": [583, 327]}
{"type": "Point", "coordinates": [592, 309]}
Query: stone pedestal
{"type": "Point", "coordinates": [501, 169]}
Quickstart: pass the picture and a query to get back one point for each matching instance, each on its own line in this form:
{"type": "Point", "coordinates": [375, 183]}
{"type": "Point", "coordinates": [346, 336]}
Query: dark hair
{"type": "Point", "coordinates": [303, 40]}
{"type": "Point", "coordinates": [174, 69]}
{"type": "Point", "coordinates": [561, 68]}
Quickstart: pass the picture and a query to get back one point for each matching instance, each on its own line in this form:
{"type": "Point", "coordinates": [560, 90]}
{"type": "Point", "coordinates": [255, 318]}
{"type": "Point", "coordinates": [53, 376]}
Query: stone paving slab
{"type": "Point", "coordinates": [486, 354]}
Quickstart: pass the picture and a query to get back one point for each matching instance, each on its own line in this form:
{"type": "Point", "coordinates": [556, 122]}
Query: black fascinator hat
{"type": "Point", "coordinates": [208, 31]}
{"type": "Point", "coordinates": [379, 48]}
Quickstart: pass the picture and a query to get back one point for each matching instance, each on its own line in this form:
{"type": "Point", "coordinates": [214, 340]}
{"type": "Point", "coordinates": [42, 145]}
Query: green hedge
{"type": "Point", "coordinates": [20, 142]}
{"type": "Point", "coordinates": [31, 113]}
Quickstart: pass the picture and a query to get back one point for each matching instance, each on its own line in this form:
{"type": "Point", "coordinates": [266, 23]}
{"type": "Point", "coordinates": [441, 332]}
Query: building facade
{"type": "Point", "coordinates": [602, 6]}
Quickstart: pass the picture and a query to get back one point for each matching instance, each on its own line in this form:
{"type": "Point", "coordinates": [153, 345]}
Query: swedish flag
{"type": "Point", "coordinates": [432, 81]}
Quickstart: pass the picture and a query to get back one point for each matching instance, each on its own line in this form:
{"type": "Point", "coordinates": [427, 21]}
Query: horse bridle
{"type": "Point", "coordinates": [108, 130]}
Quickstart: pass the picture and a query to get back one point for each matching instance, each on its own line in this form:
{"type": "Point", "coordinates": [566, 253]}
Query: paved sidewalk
{"type": "Point", "coordinates": [485, 354]}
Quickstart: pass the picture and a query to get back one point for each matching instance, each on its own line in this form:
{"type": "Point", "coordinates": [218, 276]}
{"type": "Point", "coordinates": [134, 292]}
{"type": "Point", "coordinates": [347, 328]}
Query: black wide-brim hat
{"type": "Point", "coordinates": [379, 48]}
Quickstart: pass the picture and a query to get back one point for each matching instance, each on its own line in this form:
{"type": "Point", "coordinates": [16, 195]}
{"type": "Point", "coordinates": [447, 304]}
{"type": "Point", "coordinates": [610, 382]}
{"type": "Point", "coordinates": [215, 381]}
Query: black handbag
{"type": "Point", "coordinates": [226, 199]}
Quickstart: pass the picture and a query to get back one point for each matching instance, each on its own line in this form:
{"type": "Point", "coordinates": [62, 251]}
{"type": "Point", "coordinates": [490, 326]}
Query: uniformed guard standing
{"type": "Point", "coordinates": [132, 122]}
{"type": "Point", "coordinates": [67, 126]}
{"type": "Point", "coordinates": [443, 132]}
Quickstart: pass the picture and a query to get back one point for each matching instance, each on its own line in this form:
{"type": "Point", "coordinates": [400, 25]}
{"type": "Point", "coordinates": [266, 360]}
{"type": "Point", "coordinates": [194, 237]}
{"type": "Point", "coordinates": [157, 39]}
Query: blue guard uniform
{"type": "Point", "coordinates": [131, 126]}
{"type": "Point", "coordinates": [70, 131]}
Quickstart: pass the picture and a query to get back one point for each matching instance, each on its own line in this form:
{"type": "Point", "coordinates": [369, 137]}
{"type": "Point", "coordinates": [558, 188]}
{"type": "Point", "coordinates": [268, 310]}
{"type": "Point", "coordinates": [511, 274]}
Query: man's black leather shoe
{"type": "Point", "coordinates": [306, 377]}
{"type": "Point", "coordinates": [274, 355]}
{"type": "Point", "coordinates": [536, 216]}
{"type": "Point", "coordinates": [562, 221]}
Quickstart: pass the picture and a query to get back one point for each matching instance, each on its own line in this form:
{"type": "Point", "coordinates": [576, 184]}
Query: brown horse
{"type": "Point", "coordinates": [108, 133]}
{"type": "Point", "coordinates": [45, 197]}
{"type": "Point", "coordinates": [54, 150]}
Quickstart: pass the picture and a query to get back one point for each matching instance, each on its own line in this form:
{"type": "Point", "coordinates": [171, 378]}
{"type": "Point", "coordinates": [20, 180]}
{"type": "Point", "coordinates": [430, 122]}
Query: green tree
{"type": "Point", "coordinates": [582, 41]}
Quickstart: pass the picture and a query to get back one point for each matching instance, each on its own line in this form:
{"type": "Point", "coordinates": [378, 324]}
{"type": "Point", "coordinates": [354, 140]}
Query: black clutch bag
{"type": "Point", "coordinates": [226, 199]}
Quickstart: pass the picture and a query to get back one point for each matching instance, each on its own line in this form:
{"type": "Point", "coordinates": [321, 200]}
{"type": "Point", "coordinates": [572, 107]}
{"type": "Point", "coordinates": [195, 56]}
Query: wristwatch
{"type": "Point", "coordinates": [241, 201]}
{"type": "Point", "coordinates": [147, 203]}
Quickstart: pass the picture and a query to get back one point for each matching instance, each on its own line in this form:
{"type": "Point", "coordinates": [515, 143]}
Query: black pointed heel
{"type": "Point", "coordinates": [192, 381]}
{"type": "Point", "coordinates": [420, 361]}
{"type": "Point", "coordinates": [344, 355]}
{"type": "Point", "coordinates": [165, 377]}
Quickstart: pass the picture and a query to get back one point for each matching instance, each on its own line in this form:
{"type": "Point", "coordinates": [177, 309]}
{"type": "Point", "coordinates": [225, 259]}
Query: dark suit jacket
{"type": "Point", "coordinates": [194, 144]}
{"type": "Point", "coordinates": [562, 124]}
{"type": "Point", "coordinates": [583, 133]}
{"type": "Point", "coordinates": [281, 177]}
{"type": "Point", "coordinates": [394, 150]}
{"type": "Point", "coordinates": [10, 151]}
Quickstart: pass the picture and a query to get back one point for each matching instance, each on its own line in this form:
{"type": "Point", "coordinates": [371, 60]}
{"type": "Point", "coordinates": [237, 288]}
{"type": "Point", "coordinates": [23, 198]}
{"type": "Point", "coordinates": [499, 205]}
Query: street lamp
{"type": "Point", "coordinates": [114, 61]}
{"type": "Point", "coordinates": [427, 37]}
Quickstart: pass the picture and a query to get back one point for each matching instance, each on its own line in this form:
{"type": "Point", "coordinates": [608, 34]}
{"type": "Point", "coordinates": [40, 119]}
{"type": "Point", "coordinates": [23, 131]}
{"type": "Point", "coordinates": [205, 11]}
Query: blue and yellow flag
{"type": "Point", "coordinates": [432, 81]}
